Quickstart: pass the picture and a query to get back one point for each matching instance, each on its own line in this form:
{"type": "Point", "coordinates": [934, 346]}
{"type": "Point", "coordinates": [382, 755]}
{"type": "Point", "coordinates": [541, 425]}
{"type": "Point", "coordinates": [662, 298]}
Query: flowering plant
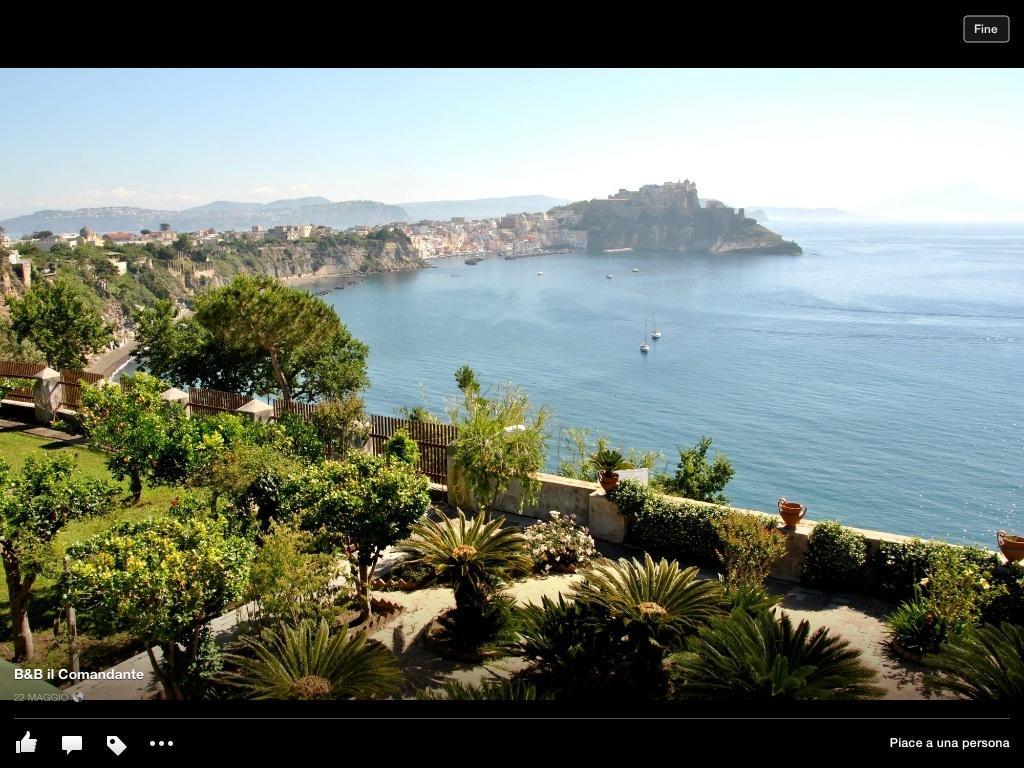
{"type": "Point", "coordinates": [559, 545]}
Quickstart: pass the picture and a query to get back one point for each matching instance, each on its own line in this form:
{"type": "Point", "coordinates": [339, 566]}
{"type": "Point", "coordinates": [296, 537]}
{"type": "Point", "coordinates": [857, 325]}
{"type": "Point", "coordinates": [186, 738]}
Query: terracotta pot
{"type": "Point", "coordinates": [1011, 546]}
{"type": "Point", "coordinates": [608, 480]}
{"type": "Point", "coordinates": [791, 512]}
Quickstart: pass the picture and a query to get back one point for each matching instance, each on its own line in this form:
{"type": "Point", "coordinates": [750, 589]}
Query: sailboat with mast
{"type": "Point", "coordinates": [655, 333]}
{"type": "Point", "coordinates": [644, 346]}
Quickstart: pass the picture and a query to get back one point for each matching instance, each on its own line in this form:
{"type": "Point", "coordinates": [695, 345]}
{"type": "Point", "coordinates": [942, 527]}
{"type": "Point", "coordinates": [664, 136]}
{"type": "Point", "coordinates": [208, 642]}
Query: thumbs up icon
{"type": "Point", "coordinates": [26, 744]}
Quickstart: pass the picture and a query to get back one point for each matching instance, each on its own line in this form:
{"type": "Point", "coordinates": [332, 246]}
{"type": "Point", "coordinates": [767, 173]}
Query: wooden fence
{"type": "Point", "coordinates": [432, 439]}
{"type": "Point", "coordinates": [13, 370]}
{"type": "Point", "coordinates": [304, 410]}
{"type": "Point", "coordinates": [71, 388]}
{"type": "Point", "coordinates": [209, 402]}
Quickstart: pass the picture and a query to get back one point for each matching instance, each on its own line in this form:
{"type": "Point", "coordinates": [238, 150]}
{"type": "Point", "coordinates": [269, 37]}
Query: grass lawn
{"type": "Point", "coordinates": [44, 605]}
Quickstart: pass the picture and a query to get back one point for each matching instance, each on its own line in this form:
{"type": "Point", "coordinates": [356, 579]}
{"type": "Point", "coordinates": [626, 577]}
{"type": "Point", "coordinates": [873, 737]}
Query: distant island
{"type": "Point", "coordinates": [670, 217]}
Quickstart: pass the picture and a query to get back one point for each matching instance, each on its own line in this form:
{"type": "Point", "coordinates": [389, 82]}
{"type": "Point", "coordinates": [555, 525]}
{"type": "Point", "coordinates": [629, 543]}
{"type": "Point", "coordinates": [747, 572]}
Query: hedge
{"type": "Point", "coordinates": [837, 558]}
{"type": "Point", "coordinates": [669, 527]}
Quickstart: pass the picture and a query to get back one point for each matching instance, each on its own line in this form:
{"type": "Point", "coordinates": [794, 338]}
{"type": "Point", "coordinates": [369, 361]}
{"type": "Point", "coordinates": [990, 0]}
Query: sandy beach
{"type": "Point", "coordinates": [107, 363]}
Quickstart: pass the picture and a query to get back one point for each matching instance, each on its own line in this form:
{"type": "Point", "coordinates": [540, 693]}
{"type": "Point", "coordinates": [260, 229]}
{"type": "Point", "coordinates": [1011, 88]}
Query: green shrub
{"type": "Point", "coordinates": [669, 527]}
{"type": "Point", "coordinates": [751, 546]}
{"type": "Point", "coordinates": [956, 588]}
{"type": "Point", "coordinates": [559, 544]}
{"type": "Point", "coordinates": [289, 582]}
{"type": "Point", "coordinates": [916, 627]}
{"type": "Point", "coordinates": [1007, 603]}
{"type": "Point", "coordinates": [898, 567]}
{"type": "Point", "coordinates": [948, 603]}
{"type": "Point", "coordinates": [835, 558]}
{"type": "Point", "coordinates": [305, 439]}
{"type": "Point", "coordinates": [403, 447]}
{"type": "Point", "coordinates": [697, 478]}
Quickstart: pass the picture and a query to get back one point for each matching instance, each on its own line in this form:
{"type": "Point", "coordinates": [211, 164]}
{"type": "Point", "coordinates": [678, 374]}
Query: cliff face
{"type": "Point", "coordinates": [296, 259]}
{"type": "Point", "coordinates": [669, 217]}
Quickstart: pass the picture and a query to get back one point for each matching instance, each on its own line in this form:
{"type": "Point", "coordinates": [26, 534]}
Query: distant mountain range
{"type": "Point", "coordinates": [225, 214]}
{"type": "Point", "coordinates": [220, 215]}
{"type": "Point", "coordinates": [484, 208]}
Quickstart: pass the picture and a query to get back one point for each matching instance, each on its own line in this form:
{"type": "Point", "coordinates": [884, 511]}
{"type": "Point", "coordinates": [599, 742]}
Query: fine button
{"type": "Point", "coordinates": [986, 29]}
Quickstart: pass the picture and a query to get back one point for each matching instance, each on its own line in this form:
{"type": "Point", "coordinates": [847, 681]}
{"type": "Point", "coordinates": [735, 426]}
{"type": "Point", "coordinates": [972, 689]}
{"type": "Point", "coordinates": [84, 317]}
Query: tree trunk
{"type": "Point", "coordinates": [18, 592]}
{"type": "Point", "coordinates": [171, 690]}
{"type": "Point", "coordinates": [23, 645]}
{"type": "Point", "coordinates": [136, 486]}
{"type": "Point", "coordinates": [282, 382]}
{"type": "Point", "coordinates": [364, 585]}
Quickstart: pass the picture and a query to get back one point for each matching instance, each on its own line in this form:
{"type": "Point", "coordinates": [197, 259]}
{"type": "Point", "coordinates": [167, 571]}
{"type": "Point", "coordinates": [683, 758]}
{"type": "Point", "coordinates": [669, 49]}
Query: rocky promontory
{"type": "Point", "coordinates": [670, 217]}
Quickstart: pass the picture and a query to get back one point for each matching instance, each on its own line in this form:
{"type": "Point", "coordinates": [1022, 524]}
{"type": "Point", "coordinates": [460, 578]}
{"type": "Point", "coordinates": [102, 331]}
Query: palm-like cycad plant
{"type": "Point", "coordinates": [761, 657]}
{"type": "Point", "coordinates": [658, 601]}
{"type": "Point", "coordinates": [652, 606]}
{"type": "Point", "coordinates": [984, 665]}
{"type": "Point", "coordinates": [569, 642]}
{"type": "Point", "coordinates": [491, 690]}
{"type": "Point", "coordinates": [472, 556]}
{"type": "Point", "coordinates": [310, 662]}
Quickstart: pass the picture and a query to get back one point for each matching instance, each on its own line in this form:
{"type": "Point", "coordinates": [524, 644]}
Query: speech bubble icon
{"type": "Point", "coordinates": [69, 744]}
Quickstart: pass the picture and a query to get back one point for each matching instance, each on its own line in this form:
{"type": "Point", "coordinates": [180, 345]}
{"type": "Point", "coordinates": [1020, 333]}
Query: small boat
{"type": "Point", "coordinates": [655, 333]}
{"type": "Point", "coordinates": [636, 269]}
{"type": "Point", "coordinates": [644, 346]}
{"type": "Point", "coordinates": [540, 273]}
{"type": "Point", "coordinates": [609, 277]}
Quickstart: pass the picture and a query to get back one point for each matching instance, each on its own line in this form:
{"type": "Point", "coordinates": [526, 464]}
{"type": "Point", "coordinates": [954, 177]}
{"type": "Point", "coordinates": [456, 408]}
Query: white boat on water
{"type": "Point", "coordinates": [655, 333]}
{"type": "Point", "coordinates": [540, 273]}
{"type": "Point", "coordinates": [609, 277]}
{"type": "Point", "coordinates": [644, 346]}
{"type": "Point", "coordinates": [636, 269]}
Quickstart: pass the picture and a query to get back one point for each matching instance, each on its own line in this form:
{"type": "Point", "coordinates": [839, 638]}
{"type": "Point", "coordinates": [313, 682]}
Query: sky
{"type": "Point", "coordinates": [861, 140]}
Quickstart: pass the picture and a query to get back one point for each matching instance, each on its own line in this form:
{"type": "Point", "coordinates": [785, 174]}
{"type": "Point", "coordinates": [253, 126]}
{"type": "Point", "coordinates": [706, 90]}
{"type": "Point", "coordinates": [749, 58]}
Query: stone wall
{"type": "Point", "coordinates": [592, 508]}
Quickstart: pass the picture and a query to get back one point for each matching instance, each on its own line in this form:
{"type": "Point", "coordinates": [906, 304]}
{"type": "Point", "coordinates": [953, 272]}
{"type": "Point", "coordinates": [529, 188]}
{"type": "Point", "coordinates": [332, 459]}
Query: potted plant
{"type": "Point", "coordinates": [607, 463]}
{"type": "Point", "coordinates": [791, 512]}
{"type": "Point", "coordinates": [1011, 546]}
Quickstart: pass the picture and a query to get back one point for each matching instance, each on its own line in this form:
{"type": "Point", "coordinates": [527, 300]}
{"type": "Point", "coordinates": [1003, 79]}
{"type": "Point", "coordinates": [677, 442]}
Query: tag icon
{"type": "Point", "coordinates": [115, 745]}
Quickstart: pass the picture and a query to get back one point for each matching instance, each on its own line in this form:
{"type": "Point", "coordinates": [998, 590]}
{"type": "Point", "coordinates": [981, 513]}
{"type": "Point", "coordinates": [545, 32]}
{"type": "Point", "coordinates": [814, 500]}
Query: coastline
{"type": "Point", "coordinates": [112, 360]}
{"type": "Point", "coordinates": [312, 278]}
{"type": "Point", "coordinates": [340, 280]}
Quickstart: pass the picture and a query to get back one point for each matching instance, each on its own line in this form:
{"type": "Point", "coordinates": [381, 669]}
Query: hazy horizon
{"type": "Point", "coordinates": [897, 144]}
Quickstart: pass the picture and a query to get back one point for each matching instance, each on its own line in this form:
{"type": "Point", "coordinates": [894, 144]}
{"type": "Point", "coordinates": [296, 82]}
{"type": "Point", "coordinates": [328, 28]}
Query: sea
{"type": "Point", "coordinates": [878, 378]}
